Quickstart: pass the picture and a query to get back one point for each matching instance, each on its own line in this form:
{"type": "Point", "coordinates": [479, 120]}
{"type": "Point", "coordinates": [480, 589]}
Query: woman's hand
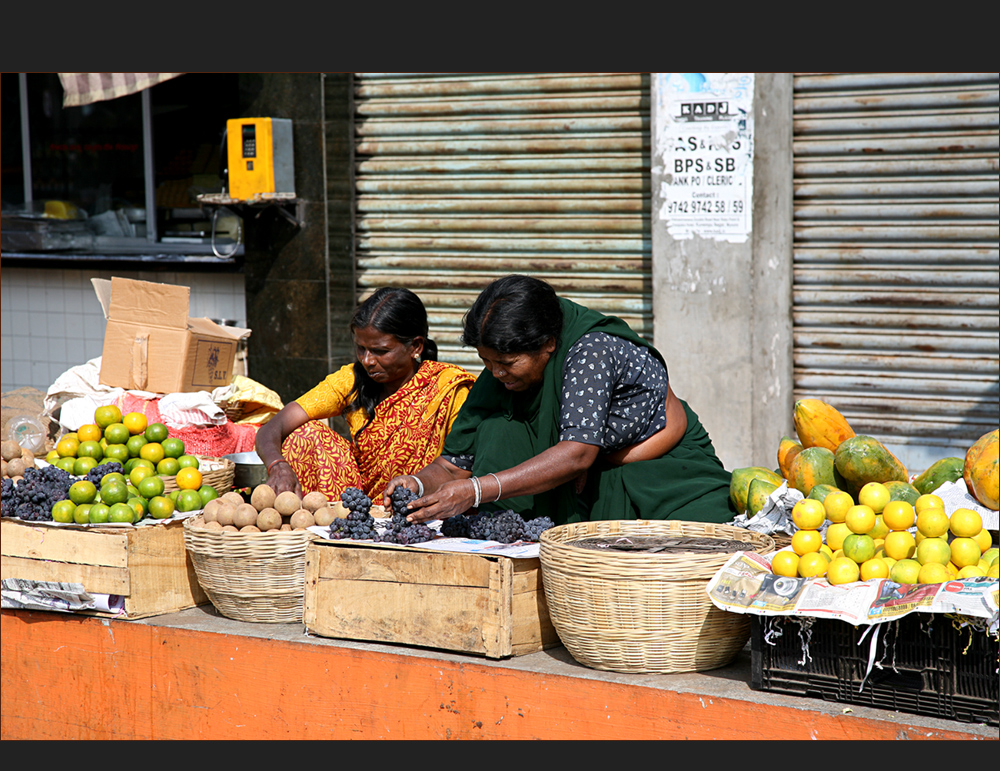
{"type": "Point", "coordinates": [282, 478]}
{"type": "Point", "coordinates": [449, 499]}
{"type": "Point", "coordinates": [409, 481]}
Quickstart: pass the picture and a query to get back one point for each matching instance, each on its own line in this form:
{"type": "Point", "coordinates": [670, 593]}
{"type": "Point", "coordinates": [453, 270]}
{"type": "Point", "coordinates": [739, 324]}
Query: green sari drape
{"type": "Point", "coordinates": [503, 428]}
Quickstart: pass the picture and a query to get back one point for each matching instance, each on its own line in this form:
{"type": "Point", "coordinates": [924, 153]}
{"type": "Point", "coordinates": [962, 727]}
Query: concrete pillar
{"type": "Point", "coordinates": [722, 306]}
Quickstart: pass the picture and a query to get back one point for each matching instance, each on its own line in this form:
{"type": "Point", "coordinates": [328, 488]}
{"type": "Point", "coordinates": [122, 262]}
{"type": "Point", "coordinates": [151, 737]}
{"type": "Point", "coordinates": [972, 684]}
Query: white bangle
{"type": "Point", "coordinates": [499, 487]}
{"type": "Point", "coordinates": [420, 485]}
{"type": "Point", "coordinates": [479, 492]}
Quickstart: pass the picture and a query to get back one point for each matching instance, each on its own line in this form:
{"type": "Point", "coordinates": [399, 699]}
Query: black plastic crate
{"type": "Point", "coordinates": [928, 666]}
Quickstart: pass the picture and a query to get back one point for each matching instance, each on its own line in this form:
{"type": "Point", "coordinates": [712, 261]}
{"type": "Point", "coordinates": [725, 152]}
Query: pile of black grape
{"type": "Point", "coordinates": [32, 498]}
{"type": "Point", "coordinates": [503, 526]}
{"type": "Point", "coordinates": [359, 524]}
{"type": "Point", "coordinates": [96, 474]}
{"type": "Point", "coordinates": [399, 531]}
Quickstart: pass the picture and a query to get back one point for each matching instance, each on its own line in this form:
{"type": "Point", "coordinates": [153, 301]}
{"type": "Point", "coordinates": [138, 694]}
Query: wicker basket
{"type": "Point", "coordinates": [257, 577]}
{"type": "Point", "coordinates": [217, 472]}
{"type": "Point", "coordinates": [642, 612]}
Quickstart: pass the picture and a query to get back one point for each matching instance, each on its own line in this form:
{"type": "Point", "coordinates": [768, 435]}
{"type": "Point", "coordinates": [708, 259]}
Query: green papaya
{"type": "Point", "coordinates": [739, 485]}
{"type": "Point", "coordinates": [902, 491]}
{"type": "Point", "coordinates": [813, 466]}
{"type": "Point", "coordinates": [862, 459]}
{"type": "Point", "coordinates": [941, 471]}
{"type": "Point", "coordinates": [819, 492]}
{"type": "Point", "coordinates": [757, 495]}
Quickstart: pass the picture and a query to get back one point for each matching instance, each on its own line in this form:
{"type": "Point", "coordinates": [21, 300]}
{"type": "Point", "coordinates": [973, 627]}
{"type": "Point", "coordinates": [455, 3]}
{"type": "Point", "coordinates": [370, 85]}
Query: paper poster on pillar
{"type": "Point", "coordinates": [705, 125]}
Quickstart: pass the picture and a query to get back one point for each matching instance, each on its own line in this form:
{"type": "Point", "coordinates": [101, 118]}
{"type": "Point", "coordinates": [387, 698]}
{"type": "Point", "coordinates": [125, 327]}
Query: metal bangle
{"type": "Point", "coordinates": [499, 487]}
{"type": "Point", "coordinates": [420, 485]}
{"type": "Point", "coordinates": [479, 492]}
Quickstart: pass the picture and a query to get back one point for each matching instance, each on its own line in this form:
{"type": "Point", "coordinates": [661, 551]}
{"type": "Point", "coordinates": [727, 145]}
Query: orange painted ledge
{"type": "Point", "coordinates": [80, 677]}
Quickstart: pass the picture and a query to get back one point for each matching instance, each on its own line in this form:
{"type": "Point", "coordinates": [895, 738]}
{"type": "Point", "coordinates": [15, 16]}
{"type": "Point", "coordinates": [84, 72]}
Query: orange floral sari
{"type": "Point", "coordinates": [406, 434]}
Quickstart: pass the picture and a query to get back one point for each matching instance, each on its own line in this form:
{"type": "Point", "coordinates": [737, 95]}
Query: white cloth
{"type": "Point", "coordinates": [191, 410]}
{"type": "Point", "coordinates": [72, 399]}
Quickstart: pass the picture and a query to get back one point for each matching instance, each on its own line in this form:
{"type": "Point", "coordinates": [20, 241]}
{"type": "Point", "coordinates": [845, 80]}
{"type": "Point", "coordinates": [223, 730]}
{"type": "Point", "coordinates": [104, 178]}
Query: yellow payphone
{"type": "Point", "coordinates": [260, 158]}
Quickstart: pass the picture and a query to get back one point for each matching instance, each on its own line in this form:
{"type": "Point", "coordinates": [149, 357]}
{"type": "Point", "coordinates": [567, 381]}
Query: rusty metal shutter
{"type": "Point", "coordinates": [895, 255]}
{"type": "Point", "coordinates": [461, 179]}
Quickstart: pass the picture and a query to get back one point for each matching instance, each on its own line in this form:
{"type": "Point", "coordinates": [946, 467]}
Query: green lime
{"type": "Point", "coordinates": [168, 467]}
{"type": "Point", "coordinates": [118, 452]}
{"type": "Point", "coordinates": [62, 511]}
{"type": "Point", "coordinates": [207, 493]}
{"type": "Point", "coordinates": [189, 500]}
{"type": "Point", "coordinates": [139, 505]}
{"type": "Point", "coordinates": [161, 507]}
{"type": "Point", "coordinates": [121, 512]}
{"type": "Point", "coordinates": [188, 461]}
{"type": "Point", "coordinates": [150, 487]}
{"type": "Point", "coordinates": [91, 449]}
{"type": "Point", "coordinates": [67, 464]}
{"type": "Point", "coordinates": [99, 513]}
{"type": "Point", "coordinates": [156, 432]}
{"type": "Point", "coordinates": [82, 514]}
{"type": "Point", "coordinates": [113, 475]}
{"type": "Point", "coordinates": [135, 444]}
{"type": "Point", "coordinates": [82, 492]}
{"type": "Point", "coordinates": [113, 492]}
{"type": "Point", "coordinates": [117, 433]}
{"type": "Point", "coordinates": [173, 447]}
{"type": "Point", "coordinates": [84, 465]}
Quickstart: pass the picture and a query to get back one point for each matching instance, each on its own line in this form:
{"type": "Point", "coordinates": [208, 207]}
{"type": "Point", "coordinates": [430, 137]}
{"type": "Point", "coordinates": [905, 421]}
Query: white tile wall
{"type": "Point", "coordinates": [51, 319]}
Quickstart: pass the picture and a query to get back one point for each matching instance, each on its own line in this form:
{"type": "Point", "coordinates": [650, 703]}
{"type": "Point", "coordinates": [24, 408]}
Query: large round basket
{"type": "Point", "coordinates": [642, 611]}
{"type": "Point", "coordinates": [257, 577]}
{"type": "Point", "coordinates": [217, 472]}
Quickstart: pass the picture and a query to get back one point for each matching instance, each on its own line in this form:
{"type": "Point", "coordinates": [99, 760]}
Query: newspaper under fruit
{"type": "Point", "coordinates": [745, 584]}
{"type": "Point", "coordinates": [27, 594]}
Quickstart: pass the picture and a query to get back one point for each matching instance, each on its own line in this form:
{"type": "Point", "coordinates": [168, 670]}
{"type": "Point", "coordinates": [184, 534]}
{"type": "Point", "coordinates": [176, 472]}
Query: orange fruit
{"type": "Point", "coordinates": [964, 523]}
{"type": "Point", "coordinates": [905, 571]}
{"type": "Point", "coordinates": [837, 504]}
{"type": "Point", "coordinates": [121, 512]}
{"type": "Point", "coordinates": [84, 492]}
{"type": "Point", "coordinates": [190, 479]}
{"type": "Point", "coordinates": [933, 550]}
{"type": "Point", "coordinates": [67, 447]}
{"type": "Point", "coordinates": [138, 473]}
{"type": "Point", "coordinates": [107, 415]}
{"type": "Point", "coordinates": [812, 564]}
{"type": "Point", "coordinates": [964, 551]}
{"type": "Point", "coordinates": [932, 522]}
{"type": "Point", "coordinates": [152, 451]}
{"type": "Point", "coordinates": [860, 518]}
{"type": "Point", "coordinates": [842, 571]}
{"type": "Point", "coordinates": [62, 511]}
{"type": "Point", "coordinates": [984, 539]}
{"type": "Point", "coordinates": [135, 422]}
{"type": "Point", "coordinates": [168, 467]}
{"type": "Point", "coordinates": [876, 495]}
{"type": "Point", "coordinates": [116, 433]}
{"type": "Point", "coordinates": [808, 514]}
{"type": "Point", "coordinates": [785, 563]}
{"type": "Point", "coordinates": [898, 515]}
{"type": "Point", "coordinates": [874, 568]}
{"type": "Point", "coordinates": [933, 573]}
{"type": "Point", "coordinates": [835, 535]}
{"type": "Point", "coordinates": [98, 513]}
{"type": "Point", "coordinates": [900, 545]}
{"type": "Point", "coordinates": [928, 501]}
{"type": "Point", "coordinates": [91, 432]}
{"type": "Point", "coordinates": [135, 444]}
{"type": "Point", "coordinates": [161, 507]}
{"type": "Point", "coordinates": [114, 492]}
{"type": "Point", "coordinates": [971, 571]}
{"type": "Point", "coordinates": [803, 541]}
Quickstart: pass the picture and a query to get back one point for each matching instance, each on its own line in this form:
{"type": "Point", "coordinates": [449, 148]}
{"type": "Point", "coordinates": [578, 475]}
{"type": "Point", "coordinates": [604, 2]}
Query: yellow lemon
{"type": "Point", "coordinates": [952, 569]}
{"type": "Point", "coordinates": [932, 522]}
{"type": "Point", "coordinates": [994, 571]}
{"type": "Point", "coordinates": [928, 501]}
{"type": "Point", "coordinates": [874, 568]}
{"type": "Point", "coordinates": [838, 553]}
{"type": "Point", "coordinates": [898, 515]}
{"type": "Point", "coordinates": [825, 549]}
{"type": "Point", "coordinates": [876, 495]}
{"type": "Point", "coordinates": [808, 514]}
{"type": "Point", "coordinates": [812, 564]}
{"type": "Point", "coordinates": [836, 505]}
{"type": "Point", "coordinates": [889, 561]}
{"type": "Point", "coordinates": [984, 539]}
{"type": "Point", "coordinates": [933, 573]}
{"type": "Point", "coordinates": [965, 523]}
{"type": "Point", "coordinates": [900, 545]}
{"type": "Point", "coordinates": [843, 571]}
{"type": "Point", "coordinates": [933, 550]}
{"type": "Point", "coordinates": [785, 563]}
{"type": "Point", "coordinates": [991, 555]}
{"type": "Point", "coordinates": [965, 552]}
{"type": "Point", "coordinates": [904, 571]}
{"type": "Point", "coordinates": [971, 571]}
{"type": "Point", "coordinates": [860, 518]}
{"type": "Point", "coordinates": [881, 529]}
{"type": "Point", "coordinates": [835, 535]}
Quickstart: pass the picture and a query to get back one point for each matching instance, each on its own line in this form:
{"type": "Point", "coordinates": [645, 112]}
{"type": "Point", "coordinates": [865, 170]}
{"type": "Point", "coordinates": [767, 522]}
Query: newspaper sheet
{"type": "Point", "coordinates": [27, 594]}
{"type": "Point", "coordinates": [745, 584]}
{"type": "Point", "coordinates": [516, 550]}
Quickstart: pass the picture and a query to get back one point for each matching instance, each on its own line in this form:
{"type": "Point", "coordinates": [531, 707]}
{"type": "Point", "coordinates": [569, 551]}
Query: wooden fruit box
{"type": "Point", "coordinates": [488, 605]}
{"type": "Point", "coordinates": [148, 566]}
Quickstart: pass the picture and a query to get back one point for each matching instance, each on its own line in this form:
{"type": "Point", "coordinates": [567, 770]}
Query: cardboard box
{"type": "Point", "coordinates": [148, 566]}
{"type": "Point", "coordinates": [488, 605]}
{"type": "Point", "coordinates": [151, 344]}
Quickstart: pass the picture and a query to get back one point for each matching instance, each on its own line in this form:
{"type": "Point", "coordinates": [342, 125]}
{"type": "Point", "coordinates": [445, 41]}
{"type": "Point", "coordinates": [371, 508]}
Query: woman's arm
{"type": "Point", "coordinates": [547, 470]}
{"type": "Point", "coordinates": [268, 445]}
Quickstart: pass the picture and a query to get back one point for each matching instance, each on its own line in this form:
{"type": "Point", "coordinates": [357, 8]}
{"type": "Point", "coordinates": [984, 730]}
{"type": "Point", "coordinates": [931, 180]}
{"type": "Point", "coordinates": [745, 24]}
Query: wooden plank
{"type": "Point", "coordinates": [531, 628]}
{"type": "Point", "coordinates": [64, 544]}
{"type": "Point", "coordinates": [412, 566]}
{"type": "Point", "coordinates": [163, 575]}
{"type": "Point", "coordinates": [99, 579]}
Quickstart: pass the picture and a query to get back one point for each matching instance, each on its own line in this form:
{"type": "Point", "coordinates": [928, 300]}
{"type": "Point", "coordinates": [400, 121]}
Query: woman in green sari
{"type": "Point", "coordinates": [573, 418]}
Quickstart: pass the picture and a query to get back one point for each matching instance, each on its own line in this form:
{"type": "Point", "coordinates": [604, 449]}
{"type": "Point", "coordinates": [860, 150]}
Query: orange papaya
{"type": "Point", "coordinates": [819, 424]}
{"type": "Point", "coordinates": [739, 485]}
{"type": "Point", "coordinates": [813, 466]}
{"type": "Point", "coordinates": [861, 459]}
{"type": "Point", "coordinates": [939, 472]}
{"type": "Point", "coordinates": [980, 470]}
{"type": "Point", "coordinates": [788, 448]}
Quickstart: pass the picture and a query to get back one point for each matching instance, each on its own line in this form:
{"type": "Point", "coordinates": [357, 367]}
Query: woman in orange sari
{"type": "Point", "coordinates": [398, 400]}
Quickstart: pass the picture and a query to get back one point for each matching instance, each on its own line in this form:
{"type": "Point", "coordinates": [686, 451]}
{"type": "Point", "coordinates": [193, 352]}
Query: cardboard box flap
{"type": "Point", "coordinates": [143, 302]}
{"type": "Point", "coordinates": [205, 326]}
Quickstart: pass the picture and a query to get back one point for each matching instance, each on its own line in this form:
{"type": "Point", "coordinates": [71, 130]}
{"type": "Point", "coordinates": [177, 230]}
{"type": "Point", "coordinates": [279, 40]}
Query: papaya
{"type": "Point", "coordinates": [813, 466]}
{"type": "Point", "coordinates": [980, 470]}
{"type": "Point", "coordinates": [902, 491]}
{"type": "Point", "coordinates": [757, 495]}
{"type": "Point", "coordinates": [788, 448]}
{"type": "Point", "coordinates": [819, 424]}
{"type": "Point", "coordinates": [939, 472]}
{"type": "Point", "coordinates": [819, 492]}
{"type": "Point", "coordinates": [739, 485]}
{"type": "Point", "coordinates": [861, 459]}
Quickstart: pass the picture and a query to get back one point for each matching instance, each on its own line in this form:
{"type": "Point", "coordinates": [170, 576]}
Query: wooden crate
{"type": "Point", "coordinates": [473, 603]}
{"type": "Point", "coordinates": [148, 566]}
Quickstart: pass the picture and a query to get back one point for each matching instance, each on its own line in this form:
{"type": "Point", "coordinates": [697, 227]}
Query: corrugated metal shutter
{"type": "Point", "coordinates": [895, 255]}
{"type": "Point", "coordinates": [461, 179]}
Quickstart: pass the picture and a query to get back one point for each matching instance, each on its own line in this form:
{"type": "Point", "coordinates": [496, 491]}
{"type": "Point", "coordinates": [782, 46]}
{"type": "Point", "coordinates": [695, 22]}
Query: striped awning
{"type": "Point", "coordinates": [88, 87]}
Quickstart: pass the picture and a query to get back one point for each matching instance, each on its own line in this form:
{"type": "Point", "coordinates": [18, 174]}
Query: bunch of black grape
{"type": "Point", "coordinates": [503, 527]}
{"type": "Point", "coordinates": [359, 523]}
{"type": "Point", "coordinates": [400, 531]}
{"type": "Point", "coordinates": [96, 474]}
{"type": "Point", "coordinates": [32, 498]}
